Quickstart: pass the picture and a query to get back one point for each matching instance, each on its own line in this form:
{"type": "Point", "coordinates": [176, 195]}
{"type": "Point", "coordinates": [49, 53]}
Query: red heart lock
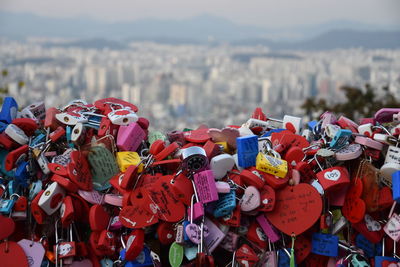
{"type": "Point", "coordinates": [267, 199]}
{"type": "Point", "coordinates": [163, 202]}
{"type": "Point", "coordinates": [197, 136]}
{"type": "Point", "coordinates": [246, 256]}
{"type": "Point", "coordinates": [7, 227]}
{"type": "Point", "coordinates": [296, 210]}
{"type": "Point", "coordinates": [67, 212]}
{"type": "Point", "coordinates": [252, 177]}
{"type": "Point", "coordinates": [12, 254]}
{"type": "Point", "coordinates": [302, 248]}
{"type": "Point", "coordinates": [79, 171]}
{"type": "Point", "coordinates": [104, 104]}
{"type": "Point", "coordinates": [259, 114]}
{"type": "Point", "coordinates": [212, 149]}
{"type": "Point", "coordinates": [354, 207]}
{"type": "Point", "coordinates": [98, 218]}
{"type": "Point", "coordinates": [287, 139]}
{"type": "Point", "coordinates": [182, 188]}
{"type": "Point", "coordinates": [165, 233]}
{"type": "Point", "coordinates": [65, 183]}
{"type": "Point", "coordinates": [274, 181]}
{"type": "Point", "coordinates": [156, 147]}
{"type": "Point", "coordinates": [136, 216]}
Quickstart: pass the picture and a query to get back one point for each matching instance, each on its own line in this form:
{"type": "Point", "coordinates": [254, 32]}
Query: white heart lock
{"type": "Point", "coordinates": [250, 199]}
{"type": "Point", "coordinates": [221, 164]}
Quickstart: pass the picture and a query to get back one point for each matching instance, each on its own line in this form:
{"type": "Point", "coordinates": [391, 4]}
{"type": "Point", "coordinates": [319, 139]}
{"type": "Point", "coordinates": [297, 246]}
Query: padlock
{"type": "Point", "coordinates": [230, 241]}
{"type": "Point", "coordinates": [252, 177]}
{"type": "Point", "coordinates": [225, 205]}
{"type": "Point", "coordinates": [38, 214]}
{"type": "Point", "coordinates": [16, 134]}
{"type": "Point", "coordinates": [205, 186]}
{"type": "Point", "coordinates": [9, 109]}
{"type": "Point", "coordinates": [250, 200]}
{"type": "Point", "coordinates": [195, 210]}
{"type": "Point", "coordinates": [247, 150]}
{"type": "Point", "coordinates": [256, 234]}
{"type": "Point", "coordinates": [71, 118]}
{"type": "Point", "coordinates": [340, 139]}
{"type": "Point", "coordinates": [215, 236]}
{"type": "Point", "coordinates": [325, 244]}
{"type": "Point", "coordinates": [221, 164]}
{"type": "Point", "coordinates": [379, 259]}
{"type": "Point", "coordinates": [107, 242]}
{"type": "Point", "coordinates": [7, 205]}
{"type": "Point", "coordinates": [123, 116]}
{"type": "Point", "coordinates": [13, 157]}
{"type": "Point", "coordinates": [268, 229]}
{"type": "Point", "coordinates": [130, 137]}
{"type": "Point", "coordinates": [98, 218]}
{"type": "Point", "coordinates": [194, 159]}
{"type": "Point", "coordinates": [67, 212]}
{"type": "Point", "coordinates": [271, 165]}
{"type": "Point", "coordinates": [134, 244]}
{"type": "Point", "coordinates": [269, 258]}
{"type": "Point", "coordinates": [51, 199]}
{"type": "Point", "coordinates": [333, 178]}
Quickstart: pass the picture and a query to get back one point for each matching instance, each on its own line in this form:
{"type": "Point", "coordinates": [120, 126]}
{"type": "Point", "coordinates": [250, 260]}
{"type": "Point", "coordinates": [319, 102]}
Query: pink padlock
{"type": "Point", "coordinates": [268, 228]}
{"type": "Point", "coordinates": [198, 210]}
{"type": "Point", "coordinates": [205, 186]}
{"type": "Point", "coordinates": [130, 137]}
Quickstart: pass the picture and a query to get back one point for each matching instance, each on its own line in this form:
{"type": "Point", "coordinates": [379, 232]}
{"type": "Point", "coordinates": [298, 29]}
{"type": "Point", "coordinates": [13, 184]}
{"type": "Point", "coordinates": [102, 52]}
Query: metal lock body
{"type": "Point", "coordinates": [194, 159]}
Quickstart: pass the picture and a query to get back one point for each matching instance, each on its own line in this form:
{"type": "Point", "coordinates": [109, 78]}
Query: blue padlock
{"type": "Point", "coordinates": [365, 245]}
{"type": "Point", "coordinates": [35, 189]}
{"type": "Point", "coordinates": [9, 110]}
{"type": "Point", "coordinates": [143, 259]}
{"type": "Point", "coordinates": [340, 139]}
{"type": "Point", "coordinates": [325, 244]}
{"type": "Point", "coordinates": [284, 257]}
{"type": "Point", "coordinates": [40, 138]}
{"type": "Point", "coordinates": [22, 174]}
{"type": "Point", "coordinates": [185, 236]}
{"type": "Point", "coordinates": [270, 132]}
{"type": "Point", "coordinates": [225, 205]}
{"type": "Point", "coordinates": [68, 133]}
{"type": "Point", "coordinates": [380, 259]}
{"type": "Point", "coordinates": [312, 124]}
{"type": "Point", "coordinates": [247, 150]}
{"type": "Point", "coordinates": [396, 186]}
{"type": "Point", "coordinates": [6, 205]}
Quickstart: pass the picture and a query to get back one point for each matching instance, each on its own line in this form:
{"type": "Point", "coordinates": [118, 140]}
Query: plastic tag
{"type": "Point", "coordinates": [175, 255]}
{"type": "Point", "coordinates": [103, 165]}
{"type": "Point", "coordinates": [247, 150]}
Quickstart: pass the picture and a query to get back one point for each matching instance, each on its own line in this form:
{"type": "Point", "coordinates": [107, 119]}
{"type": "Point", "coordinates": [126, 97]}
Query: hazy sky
{"type": "Point", "coordinates": [267, 13]}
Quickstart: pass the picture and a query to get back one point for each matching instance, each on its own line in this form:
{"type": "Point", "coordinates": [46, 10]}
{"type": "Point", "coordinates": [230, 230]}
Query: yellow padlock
{"type": "Point", "coordinates": [225, 146]}
{"type": "Point", "coordinates": [271, 165]}
{"type": "Point", "coordinates": [128, 158]}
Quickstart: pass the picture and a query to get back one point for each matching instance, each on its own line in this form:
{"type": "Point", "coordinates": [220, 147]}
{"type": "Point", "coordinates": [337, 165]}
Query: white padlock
{"type": "Point", "coordinates": [221, 164]}
{"type": "Point", "coordinates": [71, 118]}
{"type": "Point", "coordinates": [16, 134]}
{"type": "Point", "coordinates": [291, 122]}
{"type": "Point", "coordinates": [365, 129]}
{"type": "Point", "coordinates": [393, 155]}
{"type": "Point", "coordinates": [52, 198]}
{"type": "Point", "coordinates": [386, 172]}
{"type": "Point", "coordinates": [331, 130]}
{"type": "Point", "coordinates": [77, 132]}
{"type": "Point", "coordinates": [123, 116]}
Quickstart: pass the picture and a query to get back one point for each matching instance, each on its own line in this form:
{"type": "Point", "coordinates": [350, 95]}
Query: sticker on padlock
{"type": "Point", "coordinates": [271, 165]}
{"type": "Point", "coordinates": [51, 199]}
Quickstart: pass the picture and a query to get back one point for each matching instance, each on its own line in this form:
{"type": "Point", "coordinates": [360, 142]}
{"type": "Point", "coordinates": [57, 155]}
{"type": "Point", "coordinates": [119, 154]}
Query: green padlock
{"type": "Point", "coordinates": [103, 166]}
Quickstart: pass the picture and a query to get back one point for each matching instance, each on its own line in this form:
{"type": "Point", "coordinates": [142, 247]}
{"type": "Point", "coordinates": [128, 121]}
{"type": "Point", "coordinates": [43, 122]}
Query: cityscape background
{"type": "Point", "coordinates": [188, 70]}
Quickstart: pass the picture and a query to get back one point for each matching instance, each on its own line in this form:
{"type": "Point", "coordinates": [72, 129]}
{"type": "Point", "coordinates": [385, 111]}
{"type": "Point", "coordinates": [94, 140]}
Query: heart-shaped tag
{"type": "Point", "coordinates": [250, 199]}
{"type": "Point", "coordinates": [79, 171]}
{"type": "Point", "coordinates": [7, 227]}
{"type": "Point", "coordinates": [163, 202]}
{"type": "Point", "coordinates": [197, 136]}
{"type": "Point", "coordinates": [228, 135]}
{"type": "Point", "coordinates": [354, 207]}
{"type": "Point", "coordinates": [297, 208]}
{"type": "Point", "coordinates": [13, 256]}
{"type": "Point", "coordinates": [267, 198]}
{"type": "Point", "coordinates": [136, 216]}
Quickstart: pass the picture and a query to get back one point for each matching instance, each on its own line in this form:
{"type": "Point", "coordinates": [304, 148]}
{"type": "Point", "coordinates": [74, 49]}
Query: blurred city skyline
{"type": "Point", "coordinates": [263, 13]}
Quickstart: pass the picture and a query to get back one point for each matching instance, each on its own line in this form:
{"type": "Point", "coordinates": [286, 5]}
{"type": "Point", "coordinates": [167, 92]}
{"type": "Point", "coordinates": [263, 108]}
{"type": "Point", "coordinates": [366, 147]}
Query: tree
{"type": "Point", "coordinates": [359, 103]}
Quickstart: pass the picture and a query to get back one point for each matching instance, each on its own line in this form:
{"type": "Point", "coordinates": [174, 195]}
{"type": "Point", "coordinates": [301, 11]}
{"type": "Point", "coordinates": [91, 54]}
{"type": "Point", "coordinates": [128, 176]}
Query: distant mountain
{"type": "Point", "coordinates": [205, 29]}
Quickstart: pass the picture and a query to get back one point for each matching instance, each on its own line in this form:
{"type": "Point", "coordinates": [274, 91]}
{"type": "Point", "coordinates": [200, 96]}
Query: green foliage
{"type": "Point", "coordinates": [359, 103]}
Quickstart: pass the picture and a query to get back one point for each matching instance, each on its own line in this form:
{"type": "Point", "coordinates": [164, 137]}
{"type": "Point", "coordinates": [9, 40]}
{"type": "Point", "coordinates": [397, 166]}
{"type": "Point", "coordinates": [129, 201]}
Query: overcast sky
{"type": "Point", "coordinates": [267, 13]}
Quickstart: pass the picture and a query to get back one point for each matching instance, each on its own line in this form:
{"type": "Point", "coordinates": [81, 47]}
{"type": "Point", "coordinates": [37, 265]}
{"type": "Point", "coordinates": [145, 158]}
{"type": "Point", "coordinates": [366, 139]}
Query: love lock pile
{"type": "Point", "coordinates": [91, 185]}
